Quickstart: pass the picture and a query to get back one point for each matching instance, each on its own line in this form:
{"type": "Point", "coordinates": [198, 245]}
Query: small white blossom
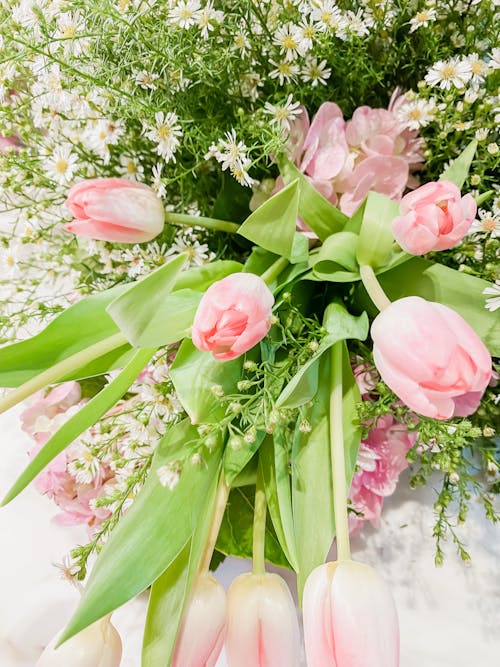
{"type": "Point", "coordinates": [284, 71]}
{"type": "Point", "coordinates": [422, 19]}
{"type": "Point", "coordinates": [478, 68]}
{"type": "Point", "coordinates": [283, 114]}
{"type": "Point", "coordinates": [444, 74]}
{"type": "Point", "coordinates": [486, 223]}
{"type": "Point", "coordinates": [185, 13]}
{"type": "Point", "coordinates": [290, 40]}
{"type": "Point", "coordinates": [493, 303]}
{"type": "Point", "coordinates": [315, 72]}
{"type": "Point", "coordinates": [61, 165]}
{"type": "Point", "coordinates": [417, 113]}
{"type": "Point", "coordinates": [145, 79]}
{"type": "Point", "coordinates": [165, 134]}
{"type": "Point", "coordinates": [169, 475]}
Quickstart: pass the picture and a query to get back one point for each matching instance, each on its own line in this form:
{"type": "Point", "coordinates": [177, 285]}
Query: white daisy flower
{"type": "Point", "coordinates": [479, 69]}
{"type": "Point", "coordinates": [185, 13]}
{"type": "Point", "coordinates": [417, 113]}
{"type": "Point", "coordinates": [315, 72]}
{"type": "Point", "coordinates": [444, 74]}
{"type": "Point", "coordinates": [208, 17]}
{"type": "Point", "coordinates": [85, 467]}
{"type": "Point", "coordinates": [165, 134]}
{"type": "Point", "coordinates": [284, 71]}
{"type": "Point", "coordinates": [289, 38]}
{"type": "Point", "coordinates": [493, 303]}
{"type": "Point", "coordinates": [487, 223]}
{"type": "Point", "coordinates": [284, 113]}
{"type": "Point", "coordinates": [145, 80]}
{"type": "Point", "coordinates": [422, 19]}
{"type": "Point", "coordinates": [130, 168]}
{"type": "Point", "coordinates": [62, 165]}
{"type": "Point", "coordinates": [328, 17]}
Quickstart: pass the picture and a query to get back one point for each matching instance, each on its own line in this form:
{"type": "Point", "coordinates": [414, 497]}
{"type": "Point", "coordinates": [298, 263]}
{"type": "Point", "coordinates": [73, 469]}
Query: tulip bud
{"type": "Point", "coordinates": [99, 644]}
{"type": "Point", "coordinates": [234, 314]}
{"type": "Point", "coordinates": [115, 209]}
{"type": "Point", "coordinates": [263, 629]}
{"type": "Point", "coordinates": [349, 618]}
{"type": "Point", "coordinates": [201, 635]}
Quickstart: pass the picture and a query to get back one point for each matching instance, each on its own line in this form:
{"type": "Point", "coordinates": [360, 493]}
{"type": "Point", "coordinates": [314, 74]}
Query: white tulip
{"type": "Point", "coordinates": [99, 645]}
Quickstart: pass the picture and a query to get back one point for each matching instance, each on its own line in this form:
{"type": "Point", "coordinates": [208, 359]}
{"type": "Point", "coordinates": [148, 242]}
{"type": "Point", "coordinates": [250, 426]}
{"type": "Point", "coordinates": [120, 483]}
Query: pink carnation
{"type": "Point", "coordinates": [381, 459]}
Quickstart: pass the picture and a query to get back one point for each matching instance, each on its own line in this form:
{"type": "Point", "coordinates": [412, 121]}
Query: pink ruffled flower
{"type": "Point", "coordinates": [436, 364]}
{"type": "Point", "coordinates": [434, 217]}
{"type": "Point", "coordinates": [115, 209]}
{"type": "Point", "coordinates": [381, 459]}
{"type": "Point", "coordinates": [233, 316]}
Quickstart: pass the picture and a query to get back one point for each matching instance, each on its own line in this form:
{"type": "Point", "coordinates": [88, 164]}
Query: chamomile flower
{"type": "Point", "coordinates": [487, 223]}
{"type": "Point", "coordinates": [69, 26]}
{"type": "Point", "coordinates": [185, 13]}
{"type": "Point", "coordinates": [315, 72]}
{"type": "Point", "coordinates": [417, 113]}
{"type": "Point", "coordinates": [130, 168]}
{"type": "Point", "coordinates": [85, 466]}
{"type": "Point", "coordinates": [493, 303]}
{"type": "Point", "coordinates": [479, 69]}
{"type": "Point", "coordinates": [445, 74]}
{"type": "Point", "coordinates": [283, 114]}
{"type": "Point", "coordinates": [289, 38]}
{"type": "Point", "coordinates": [209, 16]}
{"type": "Point", "coordinates": [145, 80]}
{"type": "Point", "coordinates": [328, 17]}
{"type": "Point", "coordinates": [62, 165]}
{"type": "Point", "coordinates": [241, 42]}
{"type": "Point", "coordinates": [197, 253]}
{"type": "Point", "coordinates": [284, 71]}
{"type": "Point", "coordinates": [422, 19]}
{"type": "Point", "coordinates": [165, 134]}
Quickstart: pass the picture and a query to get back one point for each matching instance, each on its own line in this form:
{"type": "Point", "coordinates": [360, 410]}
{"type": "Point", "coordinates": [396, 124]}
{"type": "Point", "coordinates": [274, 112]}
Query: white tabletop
{"type": "Point", "coordinates": [449, 616]}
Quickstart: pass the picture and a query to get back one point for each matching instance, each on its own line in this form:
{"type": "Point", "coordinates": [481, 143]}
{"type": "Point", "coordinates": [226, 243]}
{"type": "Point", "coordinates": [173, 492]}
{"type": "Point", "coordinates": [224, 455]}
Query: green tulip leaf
{"type": "Point", "coordinates": [79, 327]}
{"type": "Point", "coordinates": [153, 532]}
{"type": "Point", "coordinates": [376, 241]}
{"type": "Point", "coordinates": [336, 259]}
{"type": "Point", "coordinates": [82, 420]}
{"type": "Point", "coordinates": [321, 216]}
{"type": "Point", "coordinates": [272, 225]}
{"type": "Point", "coordinates": [195, 374]}
{"type": "Point", "coordinates": [459, 169]}
{"type": "Point", "coordinates": [236, 458]}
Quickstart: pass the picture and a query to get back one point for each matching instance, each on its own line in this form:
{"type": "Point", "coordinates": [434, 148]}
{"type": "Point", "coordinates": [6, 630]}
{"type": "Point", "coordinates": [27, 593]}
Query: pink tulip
{"type": "Point", "coordinates": [434, 217]}
{"type": "Point", "coordinates": [430, 357]}
{"type": "Point", "coordinates": [203, 627]}
{"type": "Point", "coordinates": [350, 619]}
{"type": "Point", "coordinates": [99, 645]}
{"type": "Point", "coordinates": [263, 629]}
{"type": "Point", "coordinates": [115, 209]}
{"type": "Point", "coordinates": [234, 314]}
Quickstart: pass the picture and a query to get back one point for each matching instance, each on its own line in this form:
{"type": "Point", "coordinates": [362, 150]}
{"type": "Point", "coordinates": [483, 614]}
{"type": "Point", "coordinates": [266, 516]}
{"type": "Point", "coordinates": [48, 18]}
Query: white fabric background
{"type": "Point", "coordinates": [449, 616]}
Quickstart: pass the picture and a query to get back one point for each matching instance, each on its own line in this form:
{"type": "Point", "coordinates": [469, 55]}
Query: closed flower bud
{"type": "Point", "coordinates": [350, 619]}
{"type": "Point", "coordinates": [99, 644]}
{"type": "Point", "coordinates": [433, 217]}
{"type": "Point", "coordinates": [263, 629]}
{"type": "Point", "coordinates": [203, 627]}
{"type": "Point", "coordinates": [435, 363]}
{"type": "Point", "coordinates": [234, 314]}
{"type": "Point", "coordinates": [115, 209]}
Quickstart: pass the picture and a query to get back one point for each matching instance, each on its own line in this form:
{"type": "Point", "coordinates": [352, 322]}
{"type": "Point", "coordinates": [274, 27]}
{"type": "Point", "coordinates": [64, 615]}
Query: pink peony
{"type": "Point", "coordinates": [350, 618]}
{"type": "Point", "coordinates": [381, 459]}
{"type": "Point", "coordinates": [115, 209]}
{"type": "Point", "coordinates": [430, 357]}
{"type": "Point", "coordinates": [234, 314]}
{"type": "Point", "coordinates": [434, 217]}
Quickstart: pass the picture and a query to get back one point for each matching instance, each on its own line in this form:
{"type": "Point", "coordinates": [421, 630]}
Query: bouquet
{"type": "Point", "coordinates": [250, 275]}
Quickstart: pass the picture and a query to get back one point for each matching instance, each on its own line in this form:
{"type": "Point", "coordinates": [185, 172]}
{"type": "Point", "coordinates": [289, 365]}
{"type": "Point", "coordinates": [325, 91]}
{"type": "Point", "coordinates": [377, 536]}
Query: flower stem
{"type": "Point", "coordinates": [200, 221]}
{"type": "Point", "coordinates": [217, 516]}
{"type": "Point", "coordinates": [274, 270]}
{"type": "Point", "coordinates": [372, 286]}
{"type": "Point", "coordinates": [259, 525]}
{"type": "Point", "coordinates": [61, 369]}
{"type": "Point", "coordinates": [338, 455]}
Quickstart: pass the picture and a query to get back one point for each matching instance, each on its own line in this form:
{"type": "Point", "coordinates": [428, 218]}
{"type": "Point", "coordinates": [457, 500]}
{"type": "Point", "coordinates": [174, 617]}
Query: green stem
{"type": "Point", "coordinates": [259, 525]}
{"type": "Point", "coordinates": [217, 516]}
{"type": "Point", "coordinates": [338, 455]}
{"type": "Point", "coordinates": [61, 369]}
{"type": "Point", "coordinates": [200, 221]}
{"type": "Point", "coordinates": [274, 270]}
{"type": "Point", "coordinates": [373, 287]}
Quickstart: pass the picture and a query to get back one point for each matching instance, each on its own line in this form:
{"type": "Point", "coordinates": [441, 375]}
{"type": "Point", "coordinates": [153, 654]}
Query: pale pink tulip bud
{"type": "Point", "coordinates": [115, 209]}
{"type": "Point", "coordinates": [99, 644]}
{"type": "Point", "coordinates": [430, 357]}
{"type": "Point", "coordinates": [433, 217]}
{"type": "Point", "coordinates": [263, 629]}
{"type": "Point", "coordinates": [350, 618]}
{"type": "Point", "coordinates": [234, 314]}
{"type": "Point", "coordinates": [203, 628]}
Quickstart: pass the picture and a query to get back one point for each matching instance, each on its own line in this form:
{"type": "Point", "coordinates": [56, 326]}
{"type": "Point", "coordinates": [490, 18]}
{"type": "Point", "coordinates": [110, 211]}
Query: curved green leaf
{"type": "Point", "coordinates": [194, 374]}
{"type": "Point", "coordinates": [80, 326]}
{"type": "Point", "coordinates": [458, 170]}
{"type": "Point", "coordinates": [153, 532]}
{"type": "Point", "coordinates": [82, 420]}
{"type": "Point", "coordinates": [236, 459]}
{"type": "Point", "coordinates": [376, 241]}
{"type": "Point", "coordinates": [336, 259]}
